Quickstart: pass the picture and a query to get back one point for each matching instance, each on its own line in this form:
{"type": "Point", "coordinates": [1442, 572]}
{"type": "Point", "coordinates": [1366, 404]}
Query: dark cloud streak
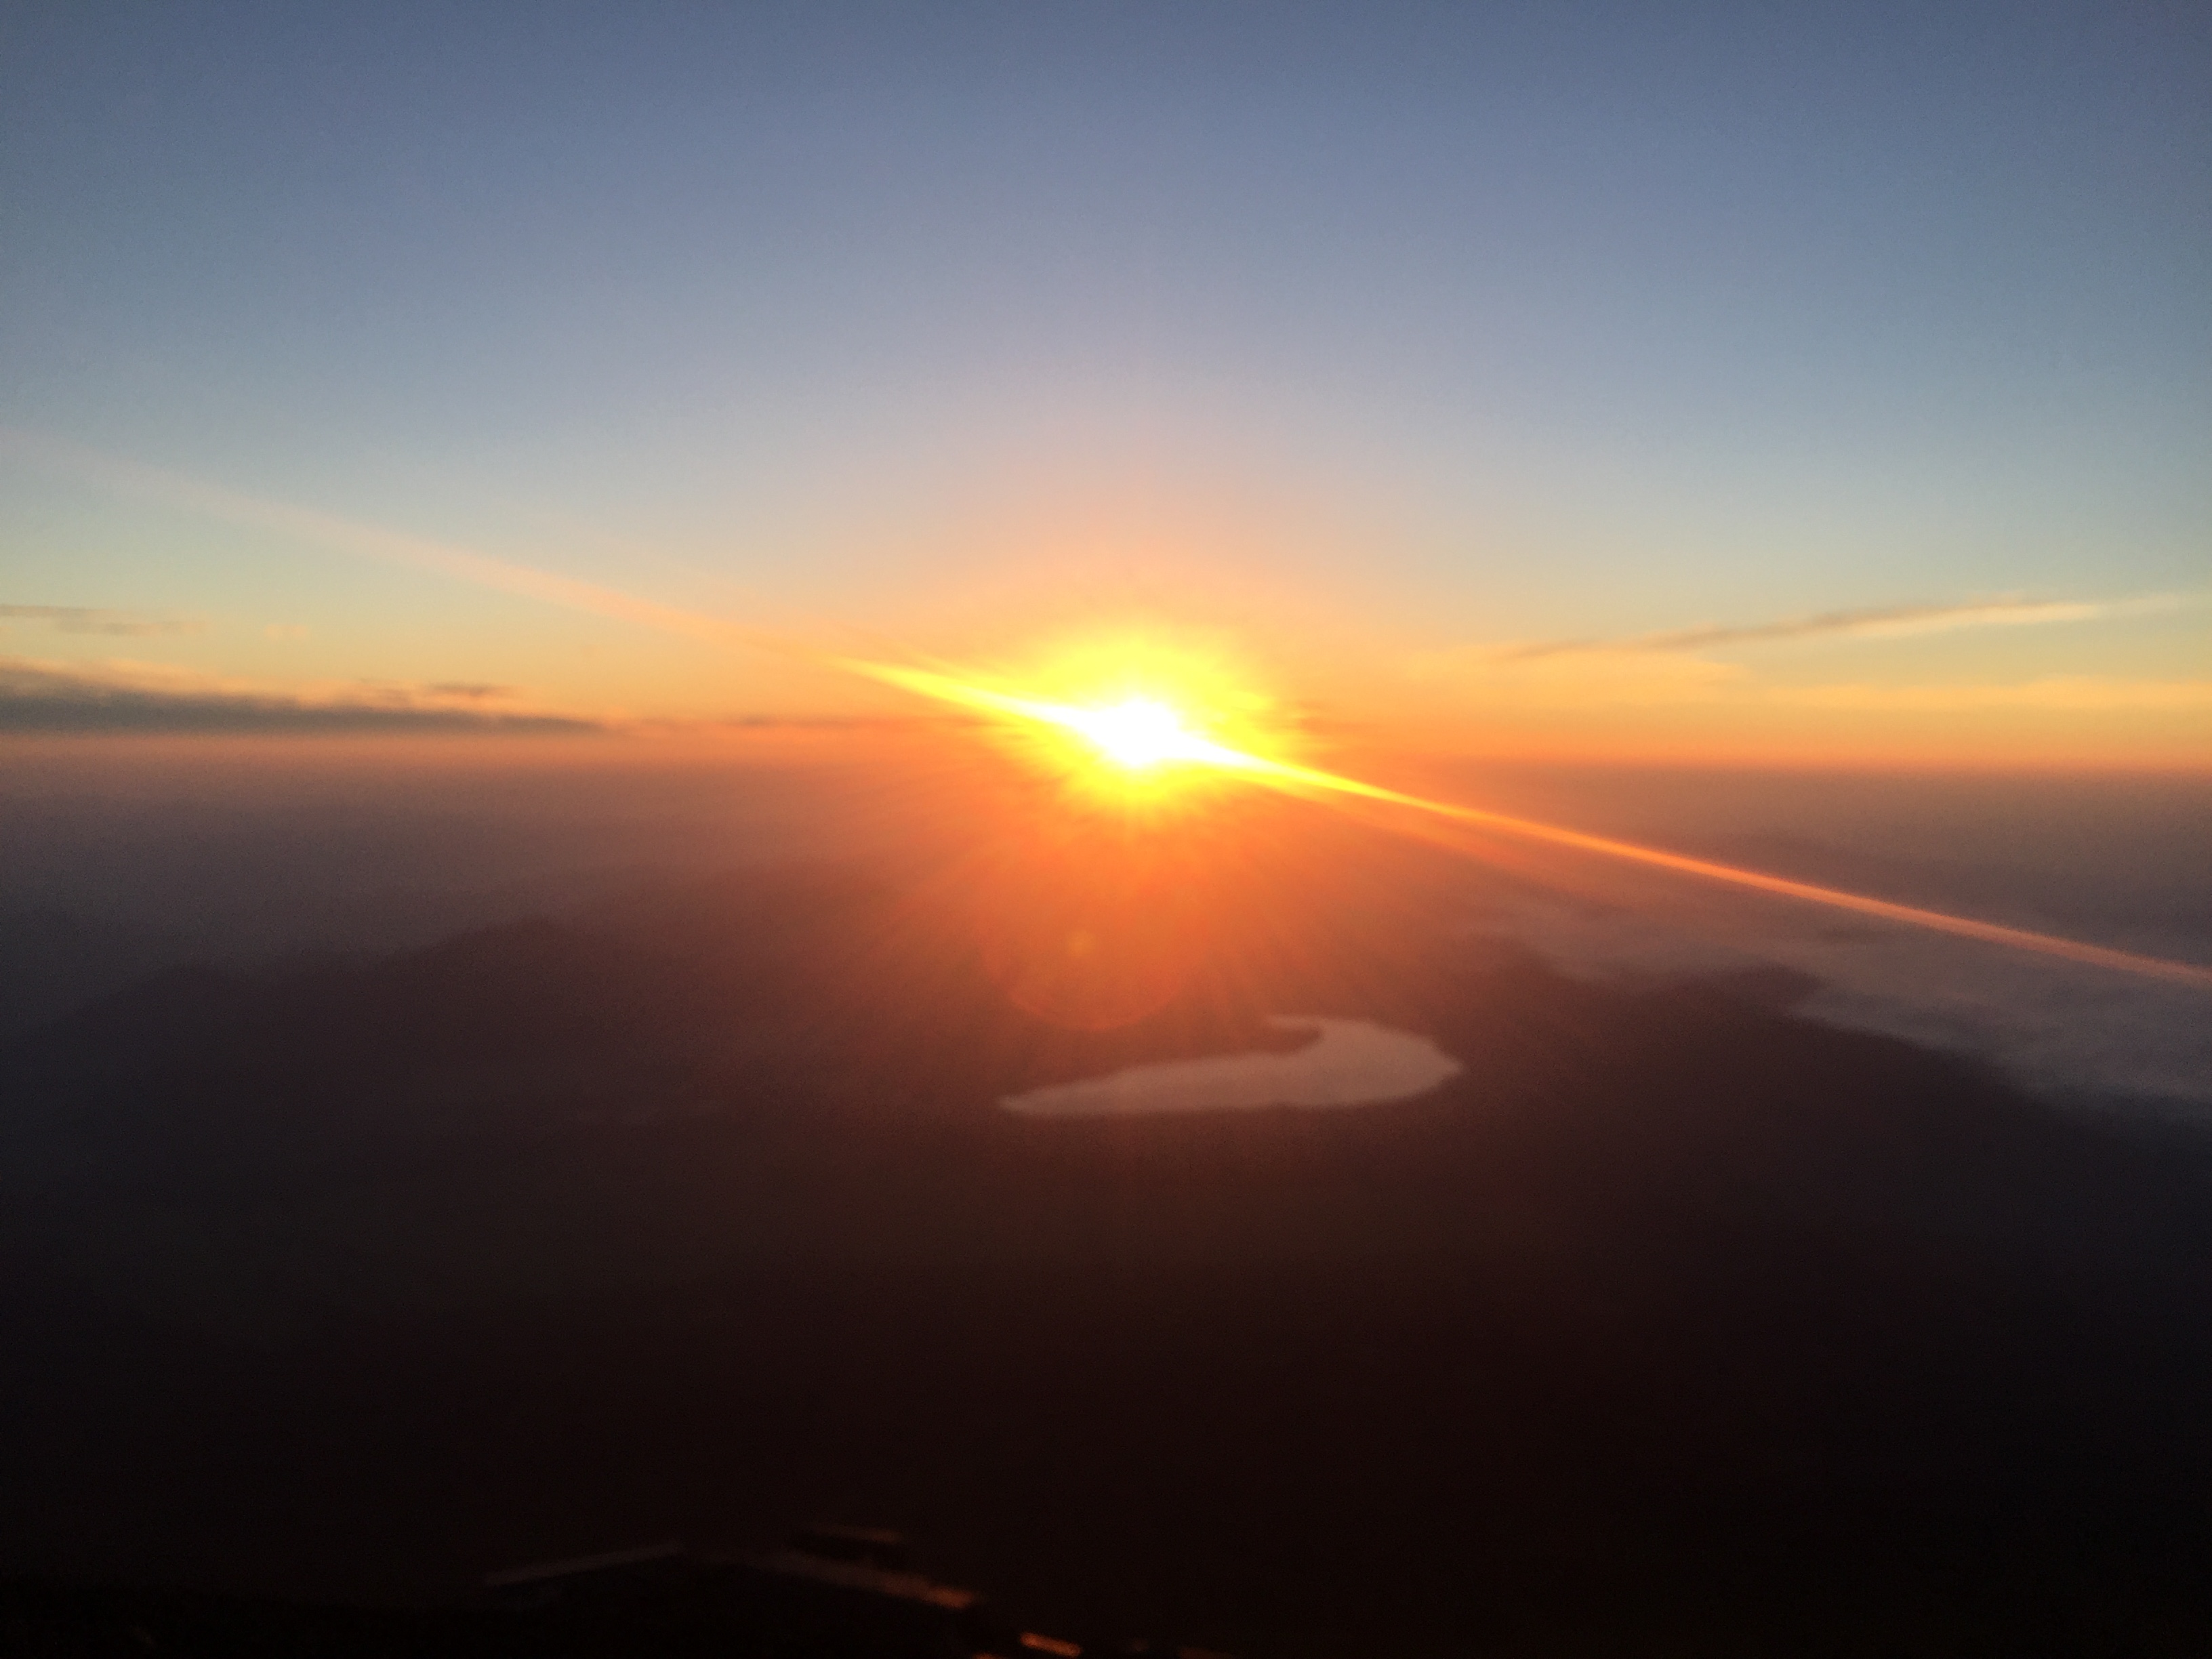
{"type": "Point", "coordinates": [473, 689]}
{"type": "Point", "coordinates": [38, 699]}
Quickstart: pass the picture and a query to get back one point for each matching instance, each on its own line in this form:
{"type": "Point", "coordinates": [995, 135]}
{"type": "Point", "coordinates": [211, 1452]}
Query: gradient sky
{"type": "Point", "coordinates": [1831, 382]}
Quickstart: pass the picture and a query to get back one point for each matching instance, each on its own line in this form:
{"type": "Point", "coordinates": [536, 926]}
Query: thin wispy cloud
{"type": "Point", "coordinates": [473, 690]}
{"type": "Point", "coordinates": [1873, 622]}
{"type": "Point", "coordinates": [84, 619]}
{"type": "Point", "coordinates": [1675, 666]}
{"type": "Point", "coordinates": [179, 490]}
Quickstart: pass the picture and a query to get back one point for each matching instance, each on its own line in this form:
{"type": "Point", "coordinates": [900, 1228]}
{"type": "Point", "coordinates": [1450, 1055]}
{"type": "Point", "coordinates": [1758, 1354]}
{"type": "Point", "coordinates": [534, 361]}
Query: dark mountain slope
{"type": "Point", "coordinates": [1674, 1318]}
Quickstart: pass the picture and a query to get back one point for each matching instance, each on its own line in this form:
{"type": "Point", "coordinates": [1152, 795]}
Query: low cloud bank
{"type": "Point", "coordinates": [50, 697]}
{"type": "Point", "coordinates": [2075, 1034]}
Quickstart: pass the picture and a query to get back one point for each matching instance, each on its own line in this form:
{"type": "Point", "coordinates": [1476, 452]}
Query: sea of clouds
{"type": "Point", "coordinates": [2084, 1035]}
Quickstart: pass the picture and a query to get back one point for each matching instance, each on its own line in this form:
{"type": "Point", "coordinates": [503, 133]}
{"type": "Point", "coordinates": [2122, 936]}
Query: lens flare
{"type": "Point", "coordinates": [1141, 734]}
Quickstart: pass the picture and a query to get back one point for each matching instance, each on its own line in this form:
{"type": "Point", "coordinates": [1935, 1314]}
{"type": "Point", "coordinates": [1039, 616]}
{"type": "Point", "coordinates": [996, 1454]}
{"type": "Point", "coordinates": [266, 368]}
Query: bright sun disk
{"type": "Point", "coordinates": [1138, 733]}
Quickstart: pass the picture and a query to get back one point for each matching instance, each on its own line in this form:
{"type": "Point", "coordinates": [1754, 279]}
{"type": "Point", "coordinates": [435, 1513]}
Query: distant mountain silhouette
{"type": "Point", "coordinates": [1673, 1315]}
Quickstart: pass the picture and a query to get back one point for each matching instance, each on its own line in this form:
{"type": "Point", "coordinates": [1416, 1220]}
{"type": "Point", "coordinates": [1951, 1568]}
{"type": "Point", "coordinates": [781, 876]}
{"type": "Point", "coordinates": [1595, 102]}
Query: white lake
{"type": "Point", "coordinates": [1351, 1062]}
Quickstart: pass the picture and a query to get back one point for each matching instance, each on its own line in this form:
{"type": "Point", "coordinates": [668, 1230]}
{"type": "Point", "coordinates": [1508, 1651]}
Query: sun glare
{"type": "Point", "coordinates": [1133, 722]}
{"type": "Point", "coordinates": [1130, 742]}
{"type": "Point", "coordinates": [1138, 733]}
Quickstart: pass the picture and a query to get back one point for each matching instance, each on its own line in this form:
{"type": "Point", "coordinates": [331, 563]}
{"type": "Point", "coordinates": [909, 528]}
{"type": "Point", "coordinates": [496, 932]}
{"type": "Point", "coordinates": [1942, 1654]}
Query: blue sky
{"type": "Point", "coordinates": [1429, 327]}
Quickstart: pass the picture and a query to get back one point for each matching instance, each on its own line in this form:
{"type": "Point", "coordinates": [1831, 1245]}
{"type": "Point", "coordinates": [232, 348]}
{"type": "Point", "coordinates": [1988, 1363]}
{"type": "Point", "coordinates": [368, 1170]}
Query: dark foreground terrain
{"type": "Point", "coordinates": [1676, 1323]}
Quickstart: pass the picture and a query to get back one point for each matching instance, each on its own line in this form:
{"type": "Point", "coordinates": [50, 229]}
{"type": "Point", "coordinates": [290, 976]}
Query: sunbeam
{"type": "Point", "coordinates": [1148, 733]}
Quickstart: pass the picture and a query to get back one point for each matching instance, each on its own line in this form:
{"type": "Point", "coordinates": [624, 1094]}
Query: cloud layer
{"type": "Point", "coordinates": [126, 697]}
{"type": "Point", "coordinates": [1671, 668]}
{"type": "Point", "coordinates": [1874, 622]}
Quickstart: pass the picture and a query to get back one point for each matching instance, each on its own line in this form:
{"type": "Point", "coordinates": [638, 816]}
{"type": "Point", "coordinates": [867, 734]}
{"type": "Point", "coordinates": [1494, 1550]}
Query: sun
{"type": "Point", "coordinates": [1130, 724]}
{"type": "Point", "coordinates": [1138, 733]}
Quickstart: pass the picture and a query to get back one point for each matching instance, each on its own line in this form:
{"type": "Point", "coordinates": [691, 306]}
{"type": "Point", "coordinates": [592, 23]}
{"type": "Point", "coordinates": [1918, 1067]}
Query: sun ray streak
{"type": "Point", "coordinates": [1197, 749]}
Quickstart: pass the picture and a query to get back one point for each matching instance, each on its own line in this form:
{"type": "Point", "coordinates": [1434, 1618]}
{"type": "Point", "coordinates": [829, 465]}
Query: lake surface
{"type": "Point", "coordinates": [1351, 1062]}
